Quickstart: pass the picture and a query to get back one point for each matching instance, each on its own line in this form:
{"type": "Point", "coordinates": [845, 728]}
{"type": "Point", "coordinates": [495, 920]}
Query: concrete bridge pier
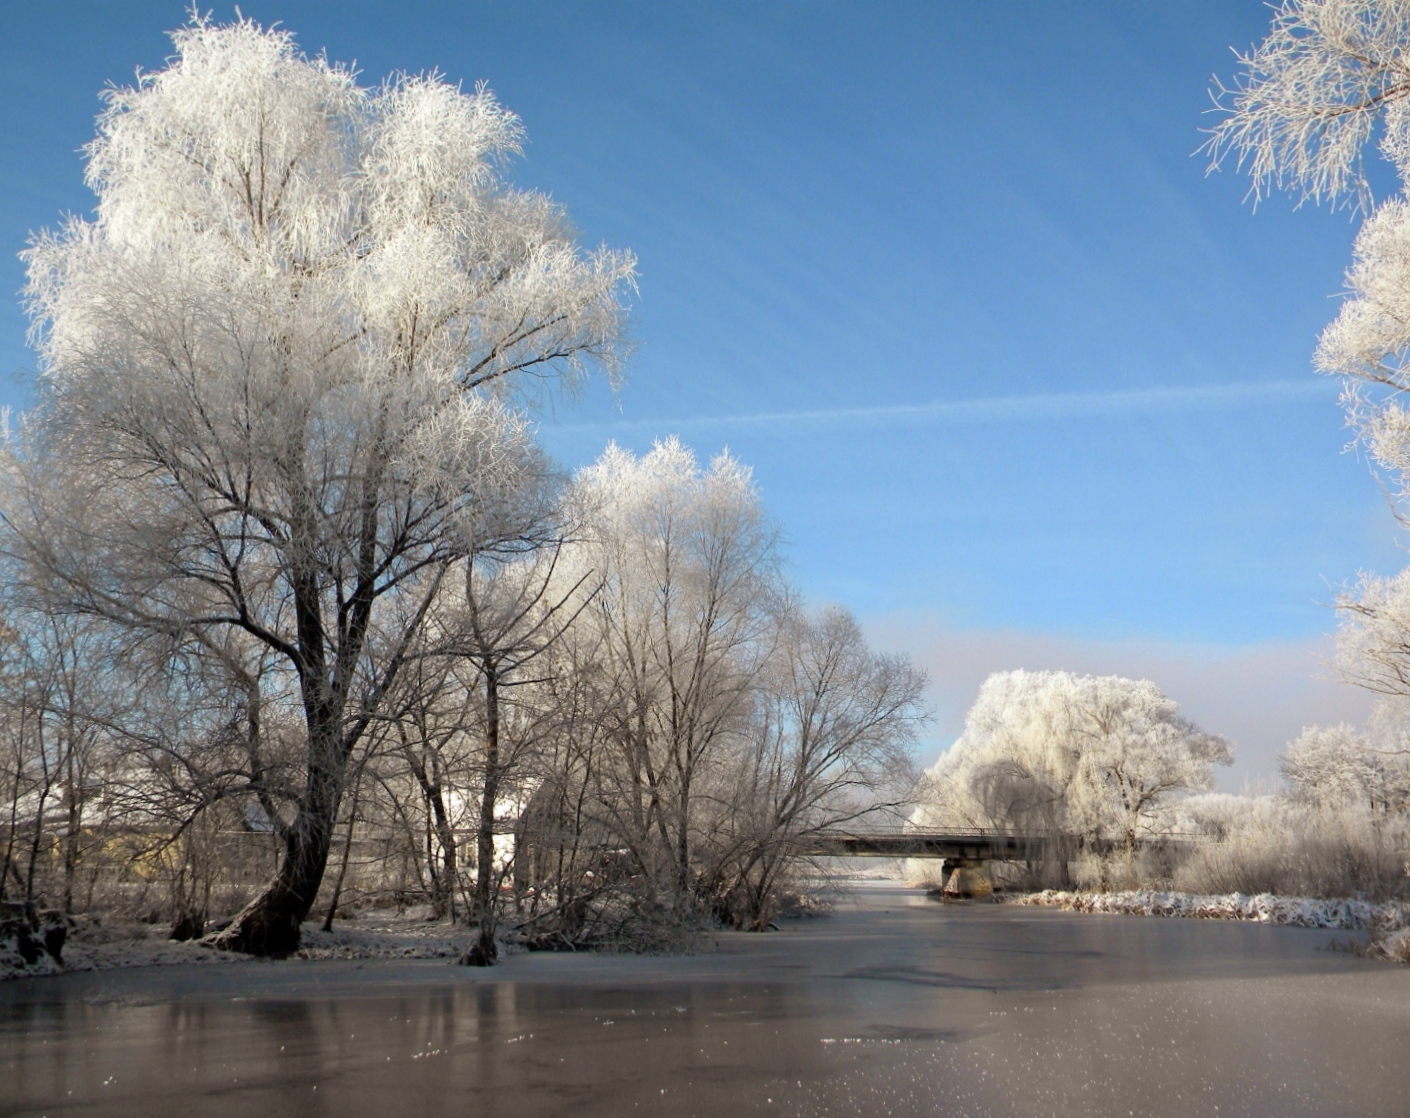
{"type": "Point", "coordinates": [967, 877]}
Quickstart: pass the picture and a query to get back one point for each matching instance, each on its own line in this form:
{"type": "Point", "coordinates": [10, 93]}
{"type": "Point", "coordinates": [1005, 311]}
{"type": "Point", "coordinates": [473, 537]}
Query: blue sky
{"type": "Point", "coordinates": [1022, 385]}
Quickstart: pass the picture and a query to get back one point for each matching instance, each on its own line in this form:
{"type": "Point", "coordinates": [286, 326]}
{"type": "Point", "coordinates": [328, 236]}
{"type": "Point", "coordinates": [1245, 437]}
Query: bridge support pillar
{"type": "Point", "coordinates": [968, 877]}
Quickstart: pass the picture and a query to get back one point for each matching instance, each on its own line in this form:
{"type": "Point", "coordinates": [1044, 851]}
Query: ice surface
{"type": "Point", "coordinates": [890, 1006]}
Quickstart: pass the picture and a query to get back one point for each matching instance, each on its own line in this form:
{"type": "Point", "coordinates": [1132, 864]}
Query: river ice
{"type": "Point", "coordinates": [893, 1005]}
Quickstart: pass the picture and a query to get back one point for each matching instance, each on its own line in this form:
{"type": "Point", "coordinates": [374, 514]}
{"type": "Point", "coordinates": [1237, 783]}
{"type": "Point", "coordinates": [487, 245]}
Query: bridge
{"type": "Point", "coordinates": [965, 854]}
{"type": "Point", "coordinates": [949, 845]}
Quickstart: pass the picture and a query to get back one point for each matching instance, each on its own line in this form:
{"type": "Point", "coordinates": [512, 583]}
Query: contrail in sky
{"type": "Point", "coordinates": [996, 409]}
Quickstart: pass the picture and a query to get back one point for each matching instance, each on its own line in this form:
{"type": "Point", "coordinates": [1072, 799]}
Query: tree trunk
{"type": "Point", "coordinates": [347, 853]}
{"type": "Point", "coordinates": [269, 925]}
{"type": "Point", "coordinates": [12, 831]}
{"type": "Point", "coordinates": [444, 899]}
{"type": "Point", "coordinates": [484, 952]}
{"type": "Point", "coordinates": [73, 823]}
{"type": "Point", "coordinates": [38, 840]}
{"type": "Point", "coordinates": [683, 842]}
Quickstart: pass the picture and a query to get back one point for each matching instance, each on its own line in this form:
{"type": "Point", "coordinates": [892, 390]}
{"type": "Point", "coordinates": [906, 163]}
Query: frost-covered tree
{"type": "Point", "coordinates": [828, 747]}
{"type": "Point", "coordinates": [701, 722]}
{"type": "Point", "coordinates": [1310, 98]}
{"type": "Point", "coordinates": [505, 627]}
{"type": "Point", "coordinates": [1331, 79]}
{"type": "Point", "coordinates": [1340, 767]}
{"type": "Point", "coordinates": [276, 366]}
{"type": "Point", "coordinates": [1373, 643]}
{"type": "Point", "coordinates": [58, 694]}
{"type": "Point", "coordinates": [1056, 753]}
{"type": "Point", "coordinates": [686, 573]}
{"type": "Point", "coordinates": [1328, 766]}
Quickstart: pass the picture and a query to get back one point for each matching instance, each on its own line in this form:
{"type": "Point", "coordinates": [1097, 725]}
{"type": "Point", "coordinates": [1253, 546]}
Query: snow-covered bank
{"type": "Point", "coordinates": [371, 936]}
{"type": "Point", "coordinates": [1265, 908]}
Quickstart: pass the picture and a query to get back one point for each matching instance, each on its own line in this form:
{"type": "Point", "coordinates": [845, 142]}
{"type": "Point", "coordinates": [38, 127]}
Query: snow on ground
{"type": "Point", "coordinates": [371, 935]}
{"type": "Point", "coordinates": [385, 935]}
{"type": "Point", "coordinates": [1265, 908]}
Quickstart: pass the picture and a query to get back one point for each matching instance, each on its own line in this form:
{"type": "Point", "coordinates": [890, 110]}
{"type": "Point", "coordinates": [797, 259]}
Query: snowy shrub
{"type": "Point", "coordinates": [1294, 850]}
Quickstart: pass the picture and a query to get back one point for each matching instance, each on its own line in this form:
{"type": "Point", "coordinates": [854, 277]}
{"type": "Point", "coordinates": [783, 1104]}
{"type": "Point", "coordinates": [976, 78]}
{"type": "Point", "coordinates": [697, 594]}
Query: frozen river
{"type": "Point", "coordinates": [891, 1006]}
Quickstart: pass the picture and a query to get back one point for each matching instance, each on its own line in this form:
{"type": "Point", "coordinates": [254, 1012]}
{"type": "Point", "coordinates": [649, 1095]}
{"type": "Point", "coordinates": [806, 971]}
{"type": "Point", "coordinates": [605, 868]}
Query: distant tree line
{"type": "Point", "coordinates": [1115, 789]}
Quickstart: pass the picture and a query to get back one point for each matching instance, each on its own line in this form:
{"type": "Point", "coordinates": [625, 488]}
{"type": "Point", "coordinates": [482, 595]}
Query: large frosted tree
{"type": "Point", "coordinates": [278, 370]}
{"type": "Point", "coordinates": [1332, 81]}
{"type": "Point", "coordinates": [1094, 757]}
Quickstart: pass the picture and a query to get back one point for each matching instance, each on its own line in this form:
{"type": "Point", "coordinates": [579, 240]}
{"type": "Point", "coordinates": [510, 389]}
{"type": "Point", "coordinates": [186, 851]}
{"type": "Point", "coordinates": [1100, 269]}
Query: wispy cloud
{"type": "Point", "coordinates": [1035, 407]}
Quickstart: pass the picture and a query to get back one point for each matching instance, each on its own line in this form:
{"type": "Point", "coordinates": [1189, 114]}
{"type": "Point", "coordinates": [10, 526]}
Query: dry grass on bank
{"type": "Point", "coordinates": [1272, 846]}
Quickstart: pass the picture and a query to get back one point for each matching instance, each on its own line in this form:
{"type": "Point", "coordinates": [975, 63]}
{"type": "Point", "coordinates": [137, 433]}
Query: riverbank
{"type": "Point", "coordinates": [95, 945]}
{"type": "Point", "coordinates": [1264, 908]}
{"type": "Point", "coordinates": [412, 935]}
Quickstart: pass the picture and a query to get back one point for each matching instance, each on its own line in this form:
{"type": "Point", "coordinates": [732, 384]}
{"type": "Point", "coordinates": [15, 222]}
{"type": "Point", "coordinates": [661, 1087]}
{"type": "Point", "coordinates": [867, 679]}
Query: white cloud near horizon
{"type": "Point", "coordinates": [1259, 696]}
{"type": "Point", "coordinates": [1032, 407]}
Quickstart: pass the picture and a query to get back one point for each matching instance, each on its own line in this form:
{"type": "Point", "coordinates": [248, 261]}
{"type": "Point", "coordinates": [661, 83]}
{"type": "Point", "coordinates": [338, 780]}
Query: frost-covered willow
{"type": "Point", "coordinates": [1047, 753]}
{"type": "Point", "coordinates": [277, 369]}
